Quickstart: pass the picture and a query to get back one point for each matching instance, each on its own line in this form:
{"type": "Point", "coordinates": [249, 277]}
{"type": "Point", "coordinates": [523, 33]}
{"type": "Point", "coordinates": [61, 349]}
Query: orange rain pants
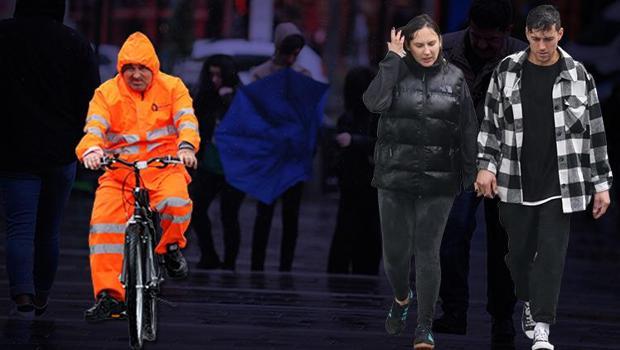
{"type": "Point", "coordinates": [113, 206]}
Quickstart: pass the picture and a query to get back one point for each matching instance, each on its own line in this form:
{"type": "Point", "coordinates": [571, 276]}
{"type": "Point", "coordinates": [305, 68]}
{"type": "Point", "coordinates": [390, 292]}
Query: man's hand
{"type": "Point", "coordinates": [92, 159]}
{"type": "Point", "coordinates": [188, 158]}
{"type": "Point", "coordinates": [486, 184]}
{"type": "Point", "coordinates": [601, 203]}
{"type": "Point", "coordinates": [396, 43]}
{"type": "Point", "coordinates": [343, 139]}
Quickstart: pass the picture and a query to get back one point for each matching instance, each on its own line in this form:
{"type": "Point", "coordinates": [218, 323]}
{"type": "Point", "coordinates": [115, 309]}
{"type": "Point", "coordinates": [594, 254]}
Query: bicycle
{"type": "Point", "coordinates": [141, 275]}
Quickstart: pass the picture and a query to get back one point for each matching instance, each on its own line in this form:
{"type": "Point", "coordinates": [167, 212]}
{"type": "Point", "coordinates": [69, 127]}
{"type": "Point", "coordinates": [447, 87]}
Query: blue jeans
{"type": "Point", "coordinates": [33, 205]}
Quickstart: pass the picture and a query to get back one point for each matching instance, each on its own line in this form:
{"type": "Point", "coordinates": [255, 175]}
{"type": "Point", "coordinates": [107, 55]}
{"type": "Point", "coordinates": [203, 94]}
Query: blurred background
{"type": "Point", "coordinates": [340, 35]}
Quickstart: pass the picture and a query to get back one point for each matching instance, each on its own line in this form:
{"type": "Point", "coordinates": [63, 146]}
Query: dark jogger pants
{"type": "Point", "coordinates": [537, 244]}
{"type": "Point", "coordinates": [413, 225]}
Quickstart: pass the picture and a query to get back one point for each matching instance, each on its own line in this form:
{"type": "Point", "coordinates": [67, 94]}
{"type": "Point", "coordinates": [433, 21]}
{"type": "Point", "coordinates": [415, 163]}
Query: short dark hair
{"type": "Point", "coordinates": [291, 43]}
{"type": "Point", "coordinates": [417, 23]}
{"type": "Point", "coordinates": [543, 17]}
{"type": "Point", "coordinates": [491, 14]}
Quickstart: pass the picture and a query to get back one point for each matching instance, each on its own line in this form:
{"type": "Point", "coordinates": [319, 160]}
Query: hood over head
{"type": "Point", "coordinates": [138, 49]}
{"type": "Point", "coordinates": [284, 30]}
{"type": "Point", "coordinates": [54, 9]}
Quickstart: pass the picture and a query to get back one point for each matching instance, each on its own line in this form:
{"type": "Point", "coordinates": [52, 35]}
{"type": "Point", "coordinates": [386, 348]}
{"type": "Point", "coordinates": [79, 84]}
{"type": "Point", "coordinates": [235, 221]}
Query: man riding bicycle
{"type": "Point", "coordinates": [139, 114]}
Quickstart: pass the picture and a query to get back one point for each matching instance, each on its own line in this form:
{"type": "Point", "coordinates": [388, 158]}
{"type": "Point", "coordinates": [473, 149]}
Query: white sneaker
{"type": "Point", "coordinates": [527, 322]}
{"type": "Point", "coordinates": [541, 340]}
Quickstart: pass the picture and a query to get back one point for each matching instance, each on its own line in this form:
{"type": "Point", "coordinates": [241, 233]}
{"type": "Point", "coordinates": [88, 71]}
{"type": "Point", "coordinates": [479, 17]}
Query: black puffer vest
{"type": "Point", "coordinates": [420, 133]}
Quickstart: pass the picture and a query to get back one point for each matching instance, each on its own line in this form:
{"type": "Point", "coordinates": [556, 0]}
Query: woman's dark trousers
{"type": "Point", "coordinates": [413, 226]}
{"type": "Point", "coordinates": [356, 246]}
{"type": "Point", "coordinates": [204, 188]}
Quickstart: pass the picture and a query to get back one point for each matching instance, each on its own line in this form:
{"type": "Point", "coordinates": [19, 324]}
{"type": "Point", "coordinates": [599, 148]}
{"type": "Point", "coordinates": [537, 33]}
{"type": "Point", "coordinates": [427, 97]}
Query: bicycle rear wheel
{"type": "Point", "coordinates": [134, 287]}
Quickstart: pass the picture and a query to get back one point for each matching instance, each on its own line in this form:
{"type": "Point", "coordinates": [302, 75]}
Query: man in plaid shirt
{"type": "Point", "coordinates": [542, 149]}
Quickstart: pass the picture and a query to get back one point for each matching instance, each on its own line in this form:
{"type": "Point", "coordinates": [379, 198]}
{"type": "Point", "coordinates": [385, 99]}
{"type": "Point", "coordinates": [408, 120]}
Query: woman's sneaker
{"type": "Point", "coordinates": [423, 338]}
{"type": "Point", "coordinates": [395, 321]}
{"type": "Point", "coordinates": [541, 340]}
{"type": "Point", "coordinates": [527, 321]}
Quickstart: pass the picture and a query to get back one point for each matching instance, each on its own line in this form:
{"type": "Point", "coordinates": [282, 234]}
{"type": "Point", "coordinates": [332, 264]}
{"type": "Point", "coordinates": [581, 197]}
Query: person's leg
{"type": "Point", "coordinates": [171, 200]}
{"type": "Point", "coordinates": [230, 204]}
{"type": "Point", "coordinates": [520, 222]}
{"type": "Point", "coordinates": [106, 237]}
{"type": "Point", "coordinates": [501, 297]}
{"type": "Point", "coordinates": [20, 194]}
{"type": "Point", "coordinates": [548, 266]}
{"type": "Point", "coordinates": [431, 215]}
{"type": "Point", "coordinates": [340, 250]}
{"type": "Point", "coordinates": [291, 203]}
{"type": "Point", "coordinates": [203, 189]}
{"type": "Point", "coordinates": [397, 224]}
{"type": "Point", "coordinates": [260, 235]}
{"type": "Point", "coordinates": [454, 256]}
{"type": "Point", "coordinates": [500, 289]}
{"type": "Point", "coordinates": [397, 214]}
{"type": "Point", "coordinates": [55, 191]}
{"type": "Point", "coordinates": [366, 254]}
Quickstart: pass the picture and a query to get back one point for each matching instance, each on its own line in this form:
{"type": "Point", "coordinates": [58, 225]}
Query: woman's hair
{"type": "Point", "coordinates": [206, 93]}
{"type": "Point", "coordinates": [227, 66]}
{"type": "Point", "coordinates": [417, 23]}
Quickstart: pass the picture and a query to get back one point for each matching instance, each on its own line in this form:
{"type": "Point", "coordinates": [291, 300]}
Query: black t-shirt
{"type": "Point", "coordinates": [539, 163]}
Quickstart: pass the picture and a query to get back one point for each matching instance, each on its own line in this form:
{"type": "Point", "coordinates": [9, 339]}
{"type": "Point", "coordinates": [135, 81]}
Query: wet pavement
{"type": "Point", "coordinates": [307, 309]}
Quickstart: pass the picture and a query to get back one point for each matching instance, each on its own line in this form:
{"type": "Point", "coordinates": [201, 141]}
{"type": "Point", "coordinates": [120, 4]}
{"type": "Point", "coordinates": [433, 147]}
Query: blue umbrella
{"type": "Point", "coordinates": [268, 136]}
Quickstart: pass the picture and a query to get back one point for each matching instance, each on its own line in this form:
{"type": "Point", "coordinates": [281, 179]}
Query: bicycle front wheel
{"type": "Point", "coordinates": [134, 288]}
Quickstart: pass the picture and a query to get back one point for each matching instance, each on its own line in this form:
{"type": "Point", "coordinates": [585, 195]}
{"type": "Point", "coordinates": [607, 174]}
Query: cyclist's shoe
{"type": "Point", "coordinates": [176, 265]}
{"type": "Point", "coordinates": [106, 308]}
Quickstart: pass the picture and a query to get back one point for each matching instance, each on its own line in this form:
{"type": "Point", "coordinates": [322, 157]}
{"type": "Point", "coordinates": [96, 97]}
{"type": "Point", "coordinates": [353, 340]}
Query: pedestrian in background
{"type": "Point", "coordinates": [48, 73]}
{"type": "Point", "coordinates": [217, 86]}
{"type": "Point", "coordinates": [477, 50]}
{"type": "Point", "coordinates": [356, 245]}
{"type": "Point", "coordinates": [288, 41]}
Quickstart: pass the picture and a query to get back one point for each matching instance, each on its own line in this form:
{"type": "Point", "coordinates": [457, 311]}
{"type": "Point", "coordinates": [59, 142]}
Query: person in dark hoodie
{"type": "Point", "coordinates": [217, 86]}
{"type": "Point", "coordinates": [288, 42]}
{"type": "Point", "coordinates": [424, 156]}
{"type": "Point", "coordinates": [49, 73]}
{"type": "Point", "coordinates": [477, 50]}
{"type": "Point", "coordinates": [356, 245]}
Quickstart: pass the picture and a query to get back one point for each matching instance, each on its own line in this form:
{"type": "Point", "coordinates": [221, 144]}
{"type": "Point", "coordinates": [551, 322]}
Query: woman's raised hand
{"type": "Point", "coordinates": [396, 43]}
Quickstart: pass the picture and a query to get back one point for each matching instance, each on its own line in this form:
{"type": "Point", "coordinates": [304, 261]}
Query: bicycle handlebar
{"type": "Point", "coordinates": [140, 164]}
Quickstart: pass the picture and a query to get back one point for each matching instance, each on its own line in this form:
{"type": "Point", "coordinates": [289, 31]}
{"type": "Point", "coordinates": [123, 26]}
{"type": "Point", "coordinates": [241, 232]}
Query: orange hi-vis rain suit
{"type": "Point", "coordinates": [137, 126]}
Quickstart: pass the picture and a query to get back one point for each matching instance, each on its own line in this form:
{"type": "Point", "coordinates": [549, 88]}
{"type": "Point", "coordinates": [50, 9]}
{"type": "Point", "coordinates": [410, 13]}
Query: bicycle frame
{"type": "Point", "coordinates": [140, 275]}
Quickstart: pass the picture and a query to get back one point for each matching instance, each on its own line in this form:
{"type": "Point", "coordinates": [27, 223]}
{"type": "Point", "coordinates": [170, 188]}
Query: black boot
{"type": "Point", "coordinates": [106, 308]}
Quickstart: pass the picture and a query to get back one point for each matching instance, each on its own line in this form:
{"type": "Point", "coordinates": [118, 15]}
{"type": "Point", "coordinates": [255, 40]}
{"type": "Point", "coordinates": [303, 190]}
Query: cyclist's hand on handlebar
{"type": "Point", "coordinates": [92, 160]}
{"type": "Point", "coordinates": [188, 158]}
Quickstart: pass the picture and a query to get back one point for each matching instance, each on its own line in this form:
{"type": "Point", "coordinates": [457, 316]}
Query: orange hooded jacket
{"type": "Point", "coordinates": [140, 125]}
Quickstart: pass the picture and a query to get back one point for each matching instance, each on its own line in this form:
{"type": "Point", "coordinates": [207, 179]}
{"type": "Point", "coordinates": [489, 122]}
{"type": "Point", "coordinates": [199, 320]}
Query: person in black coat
{"type": "Point", "coordinates": [424, 156]}
{"type": "Point", "coordinates": [218, 83]}
{"type": "Point", "coordinates": [356, 246]}
{"type": "Point", "coordinates": [48, 73]}
{"type": "Point", "coordinates": [477, 50]}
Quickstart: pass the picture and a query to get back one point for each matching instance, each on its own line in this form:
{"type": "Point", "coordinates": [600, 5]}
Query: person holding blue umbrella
{"type": "Point", "coordinates": [424, 156]}
{"type": "Point", "coordinates": [267, 141]}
